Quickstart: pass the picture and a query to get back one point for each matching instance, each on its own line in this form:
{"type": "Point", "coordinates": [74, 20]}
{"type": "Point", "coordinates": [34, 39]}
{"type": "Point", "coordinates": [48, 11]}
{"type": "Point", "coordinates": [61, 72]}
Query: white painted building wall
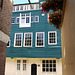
{"type": "Point", "coordinates": [11, 66]}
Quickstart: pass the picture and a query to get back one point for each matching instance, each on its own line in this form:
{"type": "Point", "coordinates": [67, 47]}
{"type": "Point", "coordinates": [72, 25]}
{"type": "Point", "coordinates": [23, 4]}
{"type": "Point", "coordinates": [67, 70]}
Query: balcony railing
{"type": "Point", "coordinates": [26, 7]}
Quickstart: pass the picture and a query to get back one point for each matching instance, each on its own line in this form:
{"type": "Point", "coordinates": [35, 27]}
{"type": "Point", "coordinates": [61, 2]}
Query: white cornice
{"type": "Point", "coordinates": [3, 37]}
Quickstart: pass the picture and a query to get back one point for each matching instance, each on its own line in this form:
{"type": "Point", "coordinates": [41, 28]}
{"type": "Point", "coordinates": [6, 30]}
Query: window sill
{"type": "Point", "coordinates": [17, 46]}
{"type": "Point", "coordinates": [39, 46]}
{"type": "Point", "coordinates": [36, 22]}
{"type": "Point", "coordinates": [50, 72]}
{"type": "Point", "coordinates": [8, 46]}
{"type": "Point", "coordinates": [52, 44]}
{"type": "Point", "coordinates": [27, 46]}
{"type": "Point", "coordinates": [13, 23]}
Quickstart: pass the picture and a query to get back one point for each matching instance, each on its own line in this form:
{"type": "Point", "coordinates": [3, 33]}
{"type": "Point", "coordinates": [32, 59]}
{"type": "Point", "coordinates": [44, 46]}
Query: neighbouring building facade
{"type": "Point", "coordinates": [5, 26]}
{"type": "Point", "coordinates": [35, 46]}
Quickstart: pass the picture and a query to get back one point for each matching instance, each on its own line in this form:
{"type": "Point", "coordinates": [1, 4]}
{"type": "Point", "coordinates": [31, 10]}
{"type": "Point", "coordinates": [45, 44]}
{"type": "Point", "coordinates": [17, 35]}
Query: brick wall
{"type": "Point", "coordinates": [2, 57]}
{"type": "Point", "coordinates": [5, 17]}
{"type": "Point", "coordinates": [5, 26]}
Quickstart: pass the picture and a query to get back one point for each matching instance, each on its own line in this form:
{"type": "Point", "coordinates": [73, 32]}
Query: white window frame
{"type": "Point", "coordinates": [49, 66]}
{"type": "Point", "coordinates": [19, 64]}
{"type": "Point", "coordinates": [25, 24]}
{"type": "Point", "coordinates": [20, 7]}
{"type": "Point", "coordinates": [43, 39]}
{"type": "Point", "coordinates": [38, 18]}
{"type": "Point", "coordinates": [36, 6]}
{"type": "Point", "coordinates": [13, 8]}
{"type": "Point", "coordinates": [16, 20]}
{"type": "Point", "coordinates": [31, 38]}
{"type": "Point", "coordinates": [24, 8]}
{"type": "Point", "coordinates": [16, 8]}
{"type": "Point", "coordinates": [9, 44]}
{"type": "Point", "coordinates": [55, 38]}
{"type": "Point", "coordinates": [24, 64]}
{"type": "Point", "coordinates": [15, 39]}
{"type": "Point", "coordinates": [11, 20]}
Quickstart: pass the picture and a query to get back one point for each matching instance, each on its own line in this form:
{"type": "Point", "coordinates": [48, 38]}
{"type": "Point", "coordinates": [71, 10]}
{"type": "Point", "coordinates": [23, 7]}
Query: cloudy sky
{"type": "Point", "coordinates": [23, 1]}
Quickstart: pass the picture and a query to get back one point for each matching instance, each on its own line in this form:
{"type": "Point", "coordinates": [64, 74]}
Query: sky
{"type": "Point", "coordinates": [23, 1]}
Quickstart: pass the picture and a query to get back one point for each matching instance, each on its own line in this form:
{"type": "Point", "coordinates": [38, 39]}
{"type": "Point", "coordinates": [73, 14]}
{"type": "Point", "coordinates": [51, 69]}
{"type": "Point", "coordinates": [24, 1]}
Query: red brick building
{"type": "Point", "coordinates": [5, 26]}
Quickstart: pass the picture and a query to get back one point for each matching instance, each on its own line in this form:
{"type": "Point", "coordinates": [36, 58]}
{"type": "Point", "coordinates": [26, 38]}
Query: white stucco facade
{"type": "Point", "coordinates": [11, 66]}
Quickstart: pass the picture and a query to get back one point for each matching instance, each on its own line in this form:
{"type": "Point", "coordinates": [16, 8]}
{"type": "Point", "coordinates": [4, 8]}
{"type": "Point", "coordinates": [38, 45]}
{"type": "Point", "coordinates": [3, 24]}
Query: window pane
{"type": "Point", "coordinates": [21, 7]}
{"type": "Point", "coordinates": [17, 8]}
{"type": "Point", "coordinates": [47, 69]}
{"type": "Point", "coordinates": [24, 66]}
{"type": "Point", "coordinates": [52, 37]}
{"type": "Point", "coordinates": [18, 61]}
{"type": "Point", "coordinates": [28, 7]}
{"type": "Point", "coordinates": [13, 20]}
{"type": "Point", "coordinates": [31, 6]}
{"type": "Point", "coordinates": [46, 61]}
{"type": "Point", "coordinates": [54, 65]}
{"type": "Point", "coordinates": [28, 39]}
{"type": "Point", "coordinates": [37, 6]}
{"type": "Point", "coordinates": [25, 7]}
{"type": "Point", "coordinates": [24, 61]}
{"type": "Point", "coordinates": [18, 40]}
{"type": "Point", "coordinates": [17, 20]}
{"type": "Point", "coordinates": [27, 19]}
{"type": "Point", "coordinates": [43, 61]}
{"type": "Point", "coordinates": [40, 39]}
{"type": "Point", "coordinates": [36, 19]}
{"type": "Point", "coordinates": [50, 61]}
{"type": "Point", "coordinates": [48, 66]}
{"type": "Point", "coordinates": [18, 66]}
{"type": "Point", "coordinates": [54, 61]}
{"type": "Point", "coordinates": [43, 65]}
{"type": "Point", "coordinates": [14, 8]}
{"type": "Point", "coordinates": [22, 20]}
{"type": "Point", "coordinates": [27, 14]}
{"type": "Point", "coordinates": [50, 69]}
{"type": "Point", "coordinates": [54, 69]}
{"type": "Point", "coordinates": [43, 69]}
{"type": "Point", "coordinates": [31, 19]}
